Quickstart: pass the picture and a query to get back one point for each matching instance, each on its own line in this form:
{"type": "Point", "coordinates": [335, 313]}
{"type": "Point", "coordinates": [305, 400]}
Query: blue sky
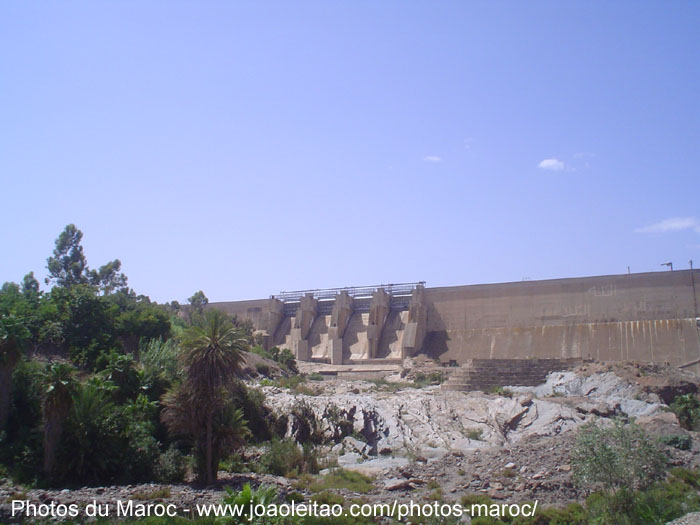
{"type": "Point", "coordinates": [244, 148]}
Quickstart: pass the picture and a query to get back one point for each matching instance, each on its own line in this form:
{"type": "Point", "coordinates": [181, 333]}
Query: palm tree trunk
{"type": "Point", "coordinates": [210, 437]}
{"type": "Point", "coordinates": [53, 429]}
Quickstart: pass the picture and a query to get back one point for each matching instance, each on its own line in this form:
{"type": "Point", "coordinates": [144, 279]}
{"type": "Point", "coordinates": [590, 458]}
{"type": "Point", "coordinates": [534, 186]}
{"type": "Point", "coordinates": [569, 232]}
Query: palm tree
{"type": "Point", "coordinates": [90, 432]}
{"type": "Point", "coordinates": [57, 404]}
{"type": "Point", "coordinates": [229, 429]}
{"type": "Point", "coordinates": [211, 356]}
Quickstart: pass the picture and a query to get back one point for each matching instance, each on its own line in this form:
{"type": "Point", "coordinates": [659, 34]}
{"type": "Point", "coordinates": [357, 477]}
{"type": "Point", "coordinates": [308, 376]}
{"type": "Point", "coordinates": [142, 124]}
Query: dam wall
{"type": "Point", "coordinates": [651, 317]}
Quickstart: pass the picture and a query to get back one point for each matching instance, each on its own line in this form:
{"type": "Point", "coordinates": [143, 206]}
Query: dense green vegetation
{"type": "Point", "coordinates": [101, 385]}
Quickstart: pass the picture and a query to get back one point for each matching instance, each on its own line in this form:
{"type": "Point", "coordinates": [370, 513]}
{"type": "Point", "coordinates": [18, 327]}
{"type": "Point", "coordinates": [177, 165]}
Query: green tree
{"type": "Point", "coordinates": [67, 266]}
{"type": "Point", "coordinates": [30, 287]}
{"type": "Point", "coordinates": [108, 278]}
{"type": "Point", "coordinates": [56, 406]}
{"type": "Point", "coordinates": [197, 303]}
{"type": "Point", "coordinates": [88, 323]}
{"type": "Point", "coordinates": [211, 356]}
{"type": "Point", "coordinates": [141, 320]}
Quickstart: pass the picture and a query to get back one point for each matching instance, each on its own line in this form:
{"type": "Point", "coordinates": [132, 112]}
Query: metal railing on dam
{"type": "Point", "coordinates": [400, 294]}
{"type": "Point", "coordinates": [356, 292]}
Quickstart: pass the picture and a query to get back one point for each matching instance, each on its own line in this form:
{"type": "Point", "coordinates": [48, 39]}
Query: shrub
{"type": "Point", "coordinates": [432, 378]}
{"type": "Point", "coordinates": [258, 416]}
{"type": "Point", "coordinates": [474, 499]}
{"type": "Point", "coordinates": [262, 369]}
{"type": "Point", "coordinates": [500, 391]}
{"type": "Point", "coordinates": [291, 382]}
{"type": "Point", "coordinates": [286, 358]}
{"type": "Point", "coordinates": [259, 350]}
{"type": "Point", "coordinates": [623, 461]}
{"type": "Point", "coordinates": [343, 479]}
{"type": "Point", "coordinates": [248, 498]}
{"type": "Point", "coordinates": [295, 497]}
{"type": "Point", "coordinates": [286, 458]}
{"type": "Point", "coordinates": [687, 408]}
{"type": "Point", "coordinates": [340, 421]}
{"type": "Point", "coordinates": [234, 463]}
{"type": "Point", "coordinates": [678, 441]}
{"type": "Point", "coordinates": [315, 376]}
{"type": "Point", "coordinates": [171, 467]}
{"type": "Point", "coordinates": [687, 476]}
{"type": "Point", "coordinates": [475, 434]}
{"type": "Point", "coordinates": [304, 425]}
{"type": "Point", "coordinates": [161, 356]}
{"type": "Point", "coordinates": [436, 495]}
{"type": "Point", "coordinates": [618, 457]}
{"type": "Point", "coordinates": [572, 514]}
{"type": "Point", "coordinates": [328, 498]}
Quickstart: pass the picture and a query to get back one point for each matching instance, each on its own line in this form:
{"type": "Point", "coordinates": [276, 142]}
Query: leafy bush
{"type": "Point", "coordinates": [263, 369]}
{"type": "Point", "coordinates": [285, 457]}
{"type": "Point", "coordinates": [687, 408]}
{"type": "Point", "coordinates": [624, 462]}
{"type": "Point", "coordinates": [432, 378]}
{"type": "Point", "coordinates": [687, 476]}
{"type": "Point", "coordinates": [161, 356]}
{"type": "Point", "coordinates": [171, 467]}
{"type": "Point", "coordinates": [234, 463]}
{"type": "Point", "coordinates": [328, 498]}
{"type": "Point", "coordinates": [621, 456]}
{"type": "Point", "coordinates": [247, 498]}
{"type": "Point", "coordinates": [259, 417]}
{"type": "Point", "coordinates": [291, 382]}
{"type": "Point", "coordinates": [284, 357]}
{"type": "Point", "coordinates": [678, 441]}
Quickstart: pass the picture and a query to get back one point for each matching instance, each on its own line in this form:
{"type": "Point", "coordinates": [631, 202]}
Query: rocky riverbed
{"type": "Point", "coordinates": [427, 444]}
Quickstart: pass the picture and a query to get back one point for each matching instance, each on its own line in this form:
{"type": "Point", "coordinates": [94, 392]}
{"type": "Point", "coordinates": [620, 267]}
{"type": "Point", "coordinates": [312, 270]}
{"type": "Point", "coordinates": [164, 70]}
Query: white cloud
{"type": "Point", "coordinates": [431, 158]}
{"type": "Point", "coordinates": [468, 143]}
{"type": "Point", "coordinates": [672, 224]}
{"type": "Point", "coordinates": [552, 165]}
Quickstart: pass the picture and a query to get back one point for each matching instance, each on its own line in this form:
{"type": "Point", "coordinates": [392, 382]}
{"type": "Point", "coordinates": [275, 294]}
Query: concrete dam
{"type": "Point", "coordinates": [647, 317]}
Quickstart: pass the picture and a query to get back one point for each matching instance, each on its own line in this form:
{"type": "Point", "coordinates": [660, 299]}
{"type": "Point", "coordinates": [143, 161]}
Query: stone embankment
{"type": "Point", "coordinates": [486, 374]}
